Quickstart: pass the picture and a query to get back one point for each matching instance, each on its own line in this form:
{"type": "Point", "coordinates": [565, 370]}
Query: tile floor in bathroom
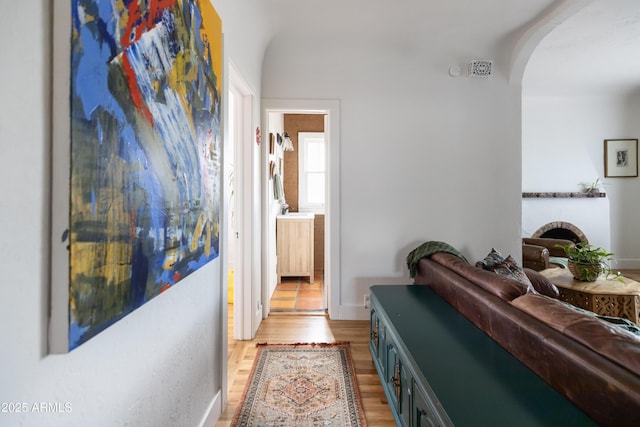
{"type": "Point", "coordinates": [297, 295]}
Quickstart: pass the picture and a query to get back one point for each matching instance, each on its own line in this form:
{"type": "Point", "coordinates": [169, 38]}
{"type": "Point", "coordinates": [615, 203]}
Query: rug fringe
{"type": "Point", "coordinates": [310, 344]}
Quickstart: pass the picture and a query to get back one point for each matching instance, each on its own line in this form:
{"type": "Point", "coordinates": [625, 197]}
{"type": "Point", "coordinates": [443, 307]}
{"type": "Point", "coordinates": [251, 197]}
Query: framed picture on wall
{"type": "Point", "coordinates": [620, 158]}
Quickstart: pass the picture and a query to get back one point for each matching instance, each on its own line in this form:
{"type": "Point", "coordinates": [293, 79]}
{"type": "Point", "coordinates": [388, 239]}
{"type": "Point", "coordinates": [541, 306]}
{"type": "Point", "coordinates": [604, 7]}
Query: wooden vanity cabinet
{"type": "Point", "coordinates": [294, 244]}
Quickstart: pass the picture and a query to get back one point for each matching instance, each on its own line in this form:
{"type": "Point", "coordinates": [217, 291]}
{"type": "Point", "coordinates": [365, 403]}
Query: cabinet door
{"type": "Point", "coordinates": [374, 333]}
{"type": "Point", "coordinates": [377, 341]}
{"type": "Point", "coordinates": [382, 343]}
{"type": "Point", "coordinates": [423, 413]}
{"type": "Point", "coordinates": [392, 376]}
{"type": "Point", "coordinates": [405, 399]}
{"type": "Point", "coordinates": [399, 384]}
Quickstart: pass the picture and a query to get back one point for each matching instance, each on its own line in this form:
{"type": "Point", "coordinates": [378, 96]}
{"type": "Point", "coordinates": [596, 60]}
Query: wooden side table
{"type": "Point", "coordinates": [607, 297]}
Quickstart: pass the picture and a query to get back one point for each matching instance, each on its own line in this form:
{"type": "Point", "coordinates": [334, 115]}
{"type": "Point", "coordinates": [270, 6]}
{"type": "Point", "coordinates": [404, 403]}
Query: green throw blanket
{"type": "Point", "coordinates": [426, 250]}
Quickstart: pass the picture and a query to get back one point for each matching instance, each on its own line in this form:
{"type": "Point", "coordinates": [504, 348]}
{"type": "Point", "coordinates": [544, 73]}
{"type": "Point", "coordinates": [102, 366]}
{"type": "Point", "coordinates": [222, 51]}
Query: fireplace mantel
{"type": "Point", "coordinates": [587, 211]}
{"type": "Point", "coordinates": [563, 195]}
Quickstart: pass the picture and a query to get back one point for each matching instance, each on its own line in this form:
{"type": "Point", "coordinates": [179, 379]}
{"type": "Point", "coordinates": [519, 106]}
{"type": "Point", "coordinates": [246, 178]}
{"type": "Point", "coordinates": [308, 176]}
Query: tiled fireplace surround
{"type": "Point", "coordinates": [584, 214]}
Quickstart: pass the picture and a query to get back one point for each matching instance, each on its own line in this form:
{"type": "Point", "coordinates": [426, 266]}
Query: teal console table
{"type": "Point", "coordinates": [438, 369]}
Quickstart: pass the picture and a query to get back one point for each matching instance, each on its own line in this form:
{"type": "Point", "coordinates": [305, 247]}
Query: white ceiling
{"type": "Point", "coordinates": [599, 48]}
{"type": "Point", "coordinates": [421, 24]}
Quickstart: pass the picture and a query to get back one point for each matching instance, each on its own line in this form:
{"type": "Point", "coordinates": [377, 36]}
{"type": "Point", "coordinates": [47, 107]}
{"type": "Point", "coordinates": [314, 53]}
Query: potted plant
{"type": "Point", "coordinates": [587, 262]}
{"type": "Point", "coordinates": [591, 187]}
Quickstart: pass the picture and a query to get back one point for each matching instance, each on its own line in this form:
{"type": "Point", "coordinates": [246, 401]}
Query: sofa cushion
{"type": "Point", "coordinates": [541, 284]}
{"type": "Point", "coordinates": [609, 340]}
{"type": "Point", "coordinates": [548, 310]}
{"type": "Point", "coordinates": [605, 338]}
{"type": "Point", "coordinates": [504, 288]}
{"type": "Point", "coordinates": [620, 322]}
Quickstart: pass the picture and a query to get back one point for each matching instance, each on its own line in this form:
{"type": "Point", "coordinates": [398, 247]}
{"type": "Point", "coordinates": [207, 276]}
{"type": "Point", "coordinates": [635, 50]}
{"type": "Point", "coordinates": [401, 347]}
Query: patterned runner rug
{"type": "Point", "coordinates": [301, 385]}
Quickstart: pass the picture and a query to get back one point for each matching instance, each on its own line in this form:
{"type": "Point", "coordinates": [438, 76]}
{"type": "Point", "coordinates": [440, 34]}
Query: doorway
{"type": "Point", "coordinates": [303, 177]}
{"type": "Point", "coordinates": [330, 111]}
{"type": "Point", "coordinates": [244, 289]}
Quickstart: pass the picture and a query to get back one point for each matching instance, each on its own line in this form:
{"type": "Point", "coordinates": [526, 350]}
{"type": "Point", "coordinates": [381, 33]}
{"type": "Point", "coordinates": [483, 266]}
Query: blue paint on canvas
{"type": "Point", "coordinates": [145, 172]}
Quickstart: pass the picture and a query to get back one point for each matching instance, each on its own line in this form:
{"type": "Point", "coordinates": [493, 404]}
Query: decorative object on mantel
{"type": "Point", "coordinates": [587, 262]}
{"type": "Point", "coordinates": [258, 136]}
{"type": "Point", "coordinates": [591, 187]}
{"type": "Point", "coordinates": [562, 195]}
{"type": "Point", "coordinates": [620, 158]}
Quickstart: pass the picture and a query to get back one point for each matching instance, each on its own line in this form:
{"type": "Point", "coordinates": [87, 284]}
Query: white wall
{"type": "Point", "coordinates": [563, 146]}
{"type": "Point", "coordinates": [424, 156]}
{"type": "Point", "coordinates": [624, 193]}
{"type": "Point", "coordinates": [161, 365]}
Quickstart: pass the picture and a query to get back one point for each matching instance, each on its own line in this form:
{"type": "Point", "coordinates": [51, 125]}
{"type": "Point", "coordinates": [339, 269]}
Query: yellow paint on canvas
{"type": "Point", "coordinates": [212, 33]}
{"type": "Point", "coordinates": [197, 232]}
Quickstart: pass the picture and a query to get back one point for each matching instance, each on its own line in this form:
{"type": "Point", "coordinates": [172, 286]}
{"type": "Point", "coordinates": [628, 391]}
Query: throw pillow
{"type": "Point", "coordinates": [542, 284]}
{"type": "Point", "coordinates": [491, 260]}
{"type": "Point", "coordinates": [510, 268]}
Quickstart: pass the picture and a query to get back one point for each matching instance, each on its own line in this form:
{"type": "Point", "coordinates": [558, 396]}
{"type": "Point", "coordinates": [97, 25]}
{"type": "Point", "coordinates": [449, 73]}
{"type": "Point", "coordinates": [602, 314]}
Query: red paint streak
{"type": "Point", "coordinates": [164, 288]}
{"type": "Point", "coordinates": [135, 27]}
{"type": "Point", "coordinates": [176, 277]}
{"type": "Point", "coordinates": [134, 90]}
{"type": "Point", "coordinates": [137, 24]}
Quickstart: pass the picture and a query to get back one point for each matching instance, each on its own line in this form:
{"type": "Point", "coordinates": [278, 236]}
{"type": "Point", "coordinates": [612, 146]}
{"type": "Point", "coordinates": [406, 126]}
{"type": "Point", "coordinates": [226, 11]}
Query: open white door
{"type": "Point", "coordinates": [245, 210]}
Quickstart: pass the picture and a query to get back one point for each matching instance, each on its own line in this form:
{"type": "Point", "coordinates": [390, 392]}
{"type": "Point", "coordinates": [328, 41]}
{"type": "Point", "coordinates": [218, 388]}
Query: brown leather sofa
{"type": "Point", "coordinates": [593, 363]}
{"type": "Point", "coordinates": [538, 253]}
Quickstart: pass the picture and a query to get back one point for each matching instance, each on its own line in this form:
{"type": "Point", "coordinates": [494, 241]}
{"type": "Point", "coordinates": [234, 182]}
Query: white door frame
{"type": "Point", "coordinates": [244, 296]}
{"type": "Point", "coordinates": [332, 207]}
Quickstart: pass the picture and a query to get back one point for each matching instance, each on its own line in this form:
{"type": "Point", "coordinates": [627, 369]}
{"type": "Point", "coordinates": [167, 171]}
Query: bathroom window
{"type": "Point", "coordinates": [311, 171]}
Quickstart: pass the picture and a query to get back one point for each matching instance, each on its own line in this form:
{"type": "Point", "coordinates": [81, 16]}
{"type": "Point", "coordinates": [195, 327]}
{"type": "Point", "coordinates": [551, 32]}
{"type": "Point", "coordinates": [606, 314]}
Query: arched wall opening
{"type": "Point", "coordinates": [561, 145]}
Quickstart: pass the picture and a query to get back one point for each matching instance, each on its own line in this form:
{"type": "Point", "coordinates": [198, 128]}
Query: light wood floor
{"type": "Point", "coordinates": [292, 328]}
{"type": "Point", "coordinates": [288, 328]}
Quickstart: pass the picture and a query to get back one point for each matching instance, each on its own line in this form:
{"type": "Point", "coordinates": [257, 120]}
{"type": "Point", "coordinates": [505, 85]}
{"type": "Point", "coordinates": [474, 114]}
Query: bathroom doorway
{"type": "Point", "coordinates": [274, 111]}
{"type": "Point", "coordinates": [303, 177]}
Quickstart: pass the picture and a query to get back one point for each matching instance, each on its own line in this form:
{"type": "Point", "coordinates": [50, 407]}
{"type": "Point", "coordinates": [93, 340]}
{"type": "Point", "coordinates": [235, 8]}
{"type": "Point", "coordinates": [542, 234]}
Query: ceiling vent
{"type": "Point", "coordinates": [480, 68]}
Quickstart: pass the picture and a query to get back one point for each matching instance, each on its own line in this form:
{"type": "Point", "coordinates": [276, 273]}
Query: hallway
{"type": "Point", "coordinates": [289, 328]}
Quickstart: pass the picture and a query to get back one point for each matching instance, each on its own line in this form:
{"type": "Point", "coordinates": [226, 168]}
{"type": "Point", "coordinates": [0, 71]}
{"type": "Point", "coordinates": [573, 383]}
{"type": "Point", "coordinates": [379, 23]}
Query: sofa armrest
{"type": "Point", "coordinates": [535, 257]}
{"type": "Point", "coordinates": [549, 243]}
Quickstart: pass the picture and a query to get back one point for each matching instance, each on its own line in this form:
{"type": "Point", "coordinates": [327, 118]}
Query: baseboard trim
{"type": "Point", "coordinates": [353, 312]}
{"type": "Point", "coordinates": [213, 412]}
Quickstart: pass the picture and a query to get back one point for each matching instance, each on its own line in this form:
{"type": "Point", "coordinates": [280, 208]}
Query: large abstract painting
{"type": "Point", "coordinates": [145, 103]}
